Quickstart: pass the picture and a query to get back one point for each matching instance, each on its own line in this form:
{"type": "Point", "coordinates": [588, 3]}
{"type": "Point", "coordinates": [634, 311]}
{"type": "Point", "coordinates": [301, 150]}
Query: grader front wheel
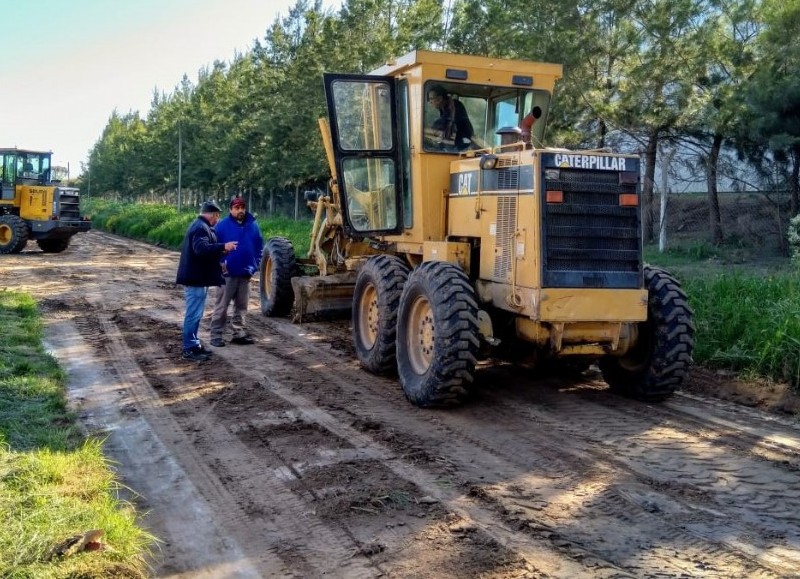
{"type": "Point", "coordinates": [278, 265]}
{"type": "Point", "coordinates": [660, 360]}
{"type": "Point", "coordinates": [437, 335]}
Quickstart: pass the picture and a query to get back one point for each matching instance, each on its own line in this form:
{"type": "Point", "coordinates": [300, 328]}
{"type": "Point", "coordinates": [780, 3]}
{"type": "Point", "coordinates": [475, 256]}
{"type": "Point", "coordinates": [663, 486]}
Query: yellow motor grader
{"type": "Point", "coordinates": [447, 242]}
{"type": "Point", "coordinates": [34, 205]}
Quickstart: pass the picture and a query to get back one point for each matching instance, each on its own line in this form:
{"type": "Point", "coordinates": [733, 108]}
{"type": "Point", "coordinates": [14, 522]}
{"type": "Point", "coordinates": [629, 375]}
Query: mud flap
{"type": "Point", "coordinates": [329, 296]}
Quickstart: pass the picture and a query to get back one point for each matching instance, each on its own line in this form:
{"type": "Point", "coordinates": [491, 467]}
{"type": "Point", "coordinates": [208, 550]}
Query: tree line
{"type": "Point", "coordinates": [716, 80]}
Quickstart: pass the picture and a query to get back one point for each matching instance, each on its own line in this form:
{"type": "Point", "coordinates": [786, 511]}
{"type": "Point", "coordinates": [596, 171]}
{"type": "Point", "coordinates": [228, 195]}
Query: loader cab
{"type": "Point", "coordinates": [21, 167]}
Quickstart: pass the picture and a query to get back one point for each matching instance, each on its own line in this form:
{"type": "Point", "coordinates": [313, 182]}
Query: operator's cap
{"type": "Point", "coordinates": [238, 202]}
{"type": "Point", "coordinates": [210, 207]}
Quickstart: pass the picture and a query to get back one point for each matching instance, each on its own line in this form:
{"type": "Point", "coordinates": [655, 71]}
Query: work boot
{"type": "Point", "coordinates": [196, 354]}
{"type": "Point", "coordinates": [218, 342]}
{"type": "Point", "coordinates": [242, 340]}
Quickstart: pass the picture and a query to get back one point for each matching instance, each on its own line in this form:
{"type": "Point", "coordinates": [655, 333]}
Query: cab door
{"type": "Point", "coordinates": [363, 119]}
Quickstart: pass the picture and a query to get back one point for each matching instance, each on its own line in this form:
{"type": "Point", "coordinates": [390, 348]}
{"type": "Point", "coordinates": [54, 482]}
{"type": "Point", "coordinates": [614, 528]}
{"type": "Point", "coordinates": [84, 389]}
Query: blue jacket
{"type": "Point", "coordinates": [244, 260]}
{"type": "Point", "coordinates": [200, 256]}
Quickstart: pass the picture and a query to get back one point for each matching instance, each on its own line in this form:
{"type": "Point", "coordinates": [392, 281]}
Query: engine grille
{"type": "Point", "coordinates": [69, 206]}
{"type": "Point", "coordinates": [589, 239]}
{"type": "Point", "coordinates": [504, 240]}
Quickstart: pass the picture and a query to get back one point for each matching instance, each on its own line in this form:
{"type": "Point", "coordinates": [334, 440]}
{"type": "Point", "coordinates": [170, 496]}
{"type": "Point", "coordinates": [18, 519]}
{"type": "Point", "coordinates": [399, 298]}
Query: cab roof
{"type": "Point", "coordinates": [421, 57]}
{"type": "Point", "coordinates": [4, 150]}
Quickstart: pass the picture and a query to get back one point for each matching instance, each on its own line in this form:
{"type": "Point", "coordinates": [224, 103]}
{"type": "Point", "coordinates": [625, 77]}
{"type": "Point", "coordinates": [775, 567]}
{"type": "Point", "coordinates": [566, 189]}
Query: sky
{"type": "Point", "coordinates": [68, 64]}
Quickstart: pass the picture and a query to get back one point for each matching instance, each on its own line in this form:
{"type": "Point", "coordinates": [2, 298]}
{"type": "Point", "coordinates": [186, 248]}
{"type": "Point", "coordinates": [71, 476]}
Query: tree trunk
{"type": "Point", "coordinates": [715, 221]}
{"type": "Point", "coordinates": [648, 211]}
{"type": "Point", "coordinates": [794, 185]}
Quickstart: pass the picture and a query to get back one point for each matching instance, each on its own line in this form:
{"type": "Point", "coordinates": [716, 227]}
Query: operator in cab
{"type": "Point", "coordinates": [452, 126]}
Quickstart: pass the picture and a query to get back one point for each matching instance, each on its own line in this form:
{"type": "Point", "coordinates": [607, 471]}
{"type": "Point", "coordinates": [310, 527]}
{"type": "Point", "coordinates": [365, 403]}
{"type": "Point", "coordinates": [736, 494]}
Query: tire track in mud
{"type": "Point", "coordinates": [683, 551]}
{"type": "Point", "coordinates": [737, 500]}
{"type": "Point", "coordinates": [282, 380]}
{"type": "Point", "coordinates": [286, 542]}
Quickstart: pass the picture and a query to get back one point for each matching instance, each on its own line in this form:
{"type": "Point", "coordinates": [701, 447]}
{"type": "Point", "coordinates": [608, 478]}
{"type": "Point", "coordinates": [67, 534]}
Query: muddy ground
{"type": "Point", "coordinates": [284, 459]}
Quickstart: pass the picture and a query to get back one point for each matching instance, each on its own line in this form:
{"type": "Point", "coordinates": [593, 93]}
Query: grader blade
{"type": "Point", "coordinates": [329, 295]}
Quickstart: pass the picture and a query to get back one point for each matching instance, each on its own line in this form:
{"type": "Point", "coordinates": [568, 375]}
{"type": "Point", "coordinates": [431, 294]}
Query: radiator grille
{"type": "Point", "coordinates": [504, 240]}
{"type": "Point", "coordinates": [69, 206]}
{"type": "Point", "coordinates": [590, 240]}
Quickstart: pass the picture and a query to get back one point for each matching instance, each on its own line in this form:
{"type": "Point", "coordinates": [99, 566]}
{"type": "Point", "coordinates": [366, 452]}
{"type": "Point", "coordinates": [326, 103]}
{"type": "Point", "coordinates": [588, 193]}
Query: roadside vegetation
{"type": "Point", "coordinates": [747, 316]}
{"type": "Point", "coordinates": [56, 487]}
{"type": "Point", "coordinates": [164, 226]}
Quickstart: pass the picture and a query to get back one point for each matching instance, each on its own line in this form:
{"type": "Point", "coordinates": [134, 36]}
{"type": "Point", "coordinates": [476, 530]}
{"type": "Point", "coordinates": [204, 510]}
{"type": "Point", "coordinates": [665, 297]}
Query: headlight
{"type": "Point", "coordinates": [488, 162]}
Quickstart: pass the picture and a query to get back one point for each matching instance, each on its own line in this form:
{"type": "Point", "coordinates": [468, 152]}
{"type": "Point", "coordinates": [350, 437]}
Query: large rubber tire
{"type": "Point", "coordinates": [375, 303]}
{"type": "Point", "coordinates": [278, 266]}
{"type": "Point", "coordinates": [437, 335]}
{"type": "Point", "coordinates": [662, 356]}
{"type": "Point", "coordinates": [13, 234]}
{"type": "Point", "coordinates": [53, 245]}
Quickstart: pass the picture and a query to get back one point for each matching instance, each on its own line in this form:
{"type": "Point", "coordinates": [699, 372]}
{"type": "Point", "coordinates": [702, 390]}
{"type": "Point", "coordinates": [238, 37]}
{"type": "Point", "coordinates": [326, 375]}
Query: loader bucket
{"type": "Point", "coordinates": [329, 295]}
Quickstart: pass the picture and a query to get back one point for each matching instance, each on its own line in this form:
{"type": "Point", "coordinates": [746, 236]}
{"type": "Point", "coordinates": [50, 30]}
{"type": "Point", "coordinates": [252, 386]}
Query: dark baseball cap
{"type": "Point", "coordinates": [210, 207]}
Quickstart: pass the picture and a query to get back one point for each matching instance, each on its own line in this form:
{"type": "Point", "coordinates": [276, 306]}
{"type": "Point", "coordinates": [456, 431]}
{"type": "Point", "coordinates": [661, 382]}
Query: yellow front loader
{"type": "Point", "coordinates": [34, 205]}
{"type": "Point", "coordinates": [447, 241]}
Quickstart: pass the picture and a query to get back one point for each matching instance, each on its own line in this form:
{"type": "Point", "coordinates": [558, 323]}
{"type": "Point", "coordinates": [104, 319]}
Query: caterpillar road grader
{"type": "Point", "coordinates": [447, 250]}
{"type": "Point", "coordinates": [34, 204]}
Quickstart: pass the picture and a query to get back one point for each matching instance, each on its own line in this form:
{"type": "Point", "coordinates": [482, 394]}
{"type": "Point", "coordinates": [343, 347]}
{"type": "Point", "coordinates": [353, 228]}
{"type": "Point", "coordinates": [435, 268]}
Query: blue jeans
{"type": "Point", "coordinates": [195, 304]}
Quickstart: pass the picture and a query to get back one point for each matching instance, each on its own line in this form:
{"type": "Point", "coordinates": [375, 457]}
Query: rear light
{"type": "Point", "coordinates": [555, 197]}
{"type": "Point", "coordinates": [628, 199]}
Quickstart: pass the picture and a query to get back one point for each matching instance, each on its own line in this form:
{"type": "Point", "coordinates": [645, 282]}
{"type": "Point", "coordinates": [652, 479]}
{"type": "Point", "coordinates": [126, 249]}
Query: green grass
{"type": "Point", "coordinates": [54, 484]}
{"type": "Point", "coordinates": [748, 323]}
{"type": "Point", "coordinates": [162, 224]}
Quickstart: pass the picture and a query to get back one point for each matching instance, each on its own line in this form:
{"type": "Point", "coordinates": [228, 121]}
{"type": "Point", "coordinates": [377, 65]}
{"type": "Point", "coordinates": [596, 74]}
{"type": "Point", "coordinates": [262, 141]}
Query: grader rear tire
{"type": "Point", "coordinates": [278, 265]}
{"type": "Point", "coordinates": [53, 245]}
{"type": "Point", "coordinates": [437, 335]}
{"type": "Point", "coordinates": [375, 302]}
{"type": "Point", "coordinates": [13, 234]}
{"type": "Point", "coordinates": [659, 362]}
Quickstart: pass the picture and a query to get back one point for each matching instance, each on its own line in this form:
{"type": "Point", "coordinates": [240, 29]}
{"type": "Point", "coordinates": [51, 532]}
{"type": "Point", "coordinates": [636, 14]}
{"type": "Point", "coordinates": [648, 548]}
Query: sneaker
{"type": "Point", "coordinates": [203, 349]}
{"type": "Point", "coordinates": [196, 355]}
{"type": "Point", "coordinates": [218, 342]}
{"type": "Point", "coordinates": [243, 340]}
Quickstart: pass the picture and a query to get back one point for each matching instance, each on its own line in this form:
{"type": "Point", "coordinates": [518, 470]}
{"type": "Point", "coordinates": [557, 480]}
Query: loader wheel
{"type": "Point", "coordinates": [658, 363]}
{"type": "Point", "coordinates": [53, 245]}
{"type": "Point", "coordinates": [13, 234]}
{"type": "Point", "coordinates": [437, 335]}
{"type": "Point", "coordinates": [375, 301]}
{"type": "Point", "coordinates": [278, 265]}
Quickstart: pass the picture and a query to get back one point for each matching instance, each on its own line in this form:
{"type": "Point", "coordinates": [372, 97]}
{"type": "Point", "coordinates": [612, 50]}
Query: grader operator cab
{"type": "Point", "coordinates": [34, 205]}
{"type": "Point", "coordinates": [449, 245]}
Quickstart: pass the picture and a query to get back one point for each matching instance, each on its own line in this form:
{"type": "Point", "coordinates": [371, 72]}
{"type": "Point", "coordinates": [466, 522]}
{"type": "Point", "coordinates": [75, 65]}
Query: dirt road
{"type": "Point", "coordinates": [284, 459]}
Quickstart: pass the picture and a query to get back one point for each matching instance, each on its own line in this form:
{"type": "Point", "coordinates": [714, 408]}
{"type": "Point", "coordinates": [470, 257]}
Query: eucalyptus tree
{"type": "Point", "coordinates": [655, 89]}
{"type": "Point", "coordinates": [773, 96]}
{"type": "Point", "coordinates": [114, 159]}
{"type": "Point", "coordinates": [731, 28]}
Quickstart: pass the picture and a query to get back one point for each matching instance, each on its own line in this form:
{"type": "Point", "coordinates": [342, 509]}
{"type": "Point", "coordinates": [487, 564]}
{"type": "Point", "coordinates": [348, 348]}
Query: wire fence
{"type": "Point", "coordinates": [754, 221]}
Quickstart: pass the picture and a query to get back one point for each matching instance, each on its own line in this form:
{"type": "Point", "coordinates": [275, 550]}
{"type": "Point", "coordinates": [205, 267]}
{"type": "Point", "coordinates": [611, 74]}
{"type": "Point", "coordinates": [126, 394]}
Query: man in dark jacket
{"type": "Point", "coordinates": [453, 120]}
{"type": "Point", "coordinates": [198, 269]}
{"type": "Point", "coordinates": [237, 268]}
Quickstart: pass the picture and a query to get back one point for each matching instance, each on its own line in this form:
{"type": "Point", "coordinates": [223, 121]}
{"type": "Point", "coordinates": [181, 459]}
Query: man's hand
{"type": "Point", "coordinates": [230, 246]}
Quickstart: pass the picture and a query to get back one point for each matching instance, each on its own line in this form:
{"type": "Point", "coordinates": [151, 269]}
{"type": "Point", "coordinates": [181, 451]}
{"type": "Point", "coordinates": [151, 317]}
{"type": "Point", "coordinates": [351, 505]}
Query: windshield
{"type": "Point", "coordinates": [32, 165]}
{"type": "Point", "coordinates": [460, 117]}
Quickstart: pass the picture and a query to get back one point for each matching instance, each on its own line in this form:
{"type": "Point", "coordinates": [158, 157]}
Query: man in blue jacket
{"type": "Point", "coordinates": [199, 268]}
{"type": "Point", "coordinates": [238, 268]}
